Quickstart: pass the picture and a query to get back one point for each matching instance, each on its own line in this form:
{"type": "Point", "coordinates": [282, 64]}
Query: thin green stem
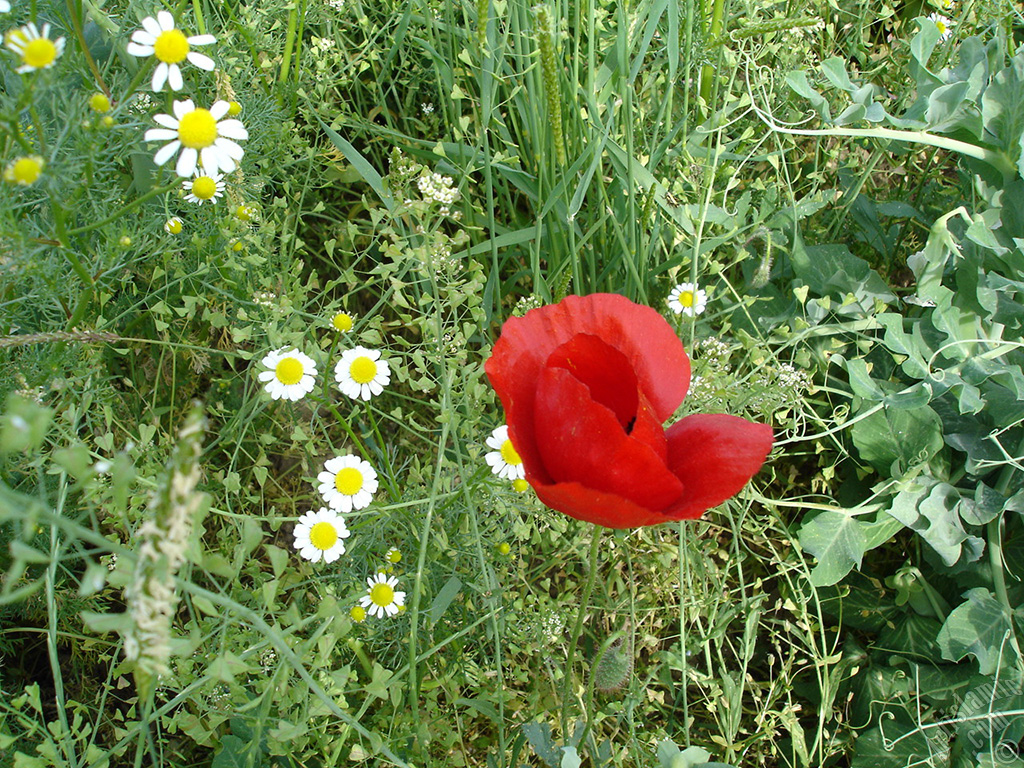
{"type": "Point", "coordinates": [577, 630]}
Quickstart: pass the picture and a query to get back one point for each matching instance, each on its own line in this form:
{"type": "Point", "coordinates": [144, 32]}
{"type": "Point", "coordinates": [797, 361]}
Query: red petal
{"type": "Point", "coordinates": [714, 455]}
{"type": "Point", "coordinates": [604, 370]}
{"type": "Point", "coordinates": [598, 507]}
{"type": "Point", "coordinates": [582, 441]}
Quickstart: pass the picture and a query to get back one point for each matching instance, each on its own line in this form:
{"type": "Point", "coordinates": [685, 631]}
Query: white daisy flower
{"type": "Point", "coordinates": [34, 47]}
{"type": "Point", "coordinates": [503, 460]}
{"type": "Point", "coordinates": [361, 373]}
{"type": "Point", "coordinates": [290, 375]}
{"type": "Point", "coordinates": [687, 299]}
{"type": "Point", "coordinates": [159, 38]}
{"type": "Point", "coordinates": [199, 135]}
{"type": "Point", "coordinates": [381, 597]}
{"type": "Point", "coordinates": [347, 483]}
{"type": "Point", "coordinates": [321, 536]}
{"type": "Point", "coordinates": [173, 226]}
{"type": "Point", "coordinates": [203, 186]}
{"type": "Point", "coordinates": [944, 25]}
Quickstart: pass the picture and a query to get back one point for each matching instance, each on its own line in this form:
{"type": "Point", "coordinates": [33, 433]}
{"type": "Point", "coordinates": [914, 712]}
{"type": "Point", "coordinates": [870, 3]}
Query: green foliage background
{"type": "Point", "coordinates": [844, 182]}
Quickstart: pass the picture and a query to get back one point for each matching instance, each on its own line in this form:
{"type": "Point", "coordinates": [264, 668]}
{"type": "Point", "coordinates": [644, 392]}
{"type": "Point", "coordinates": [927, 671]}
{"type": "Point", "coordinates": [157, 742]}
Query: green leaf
{"type": "Point", "coordinates": [360, 163]}
{"type": "Point", "coordinates": [234, 753]}
{"type": "Point", "coordinates": [444, 598]}
{"type": "Point", "coordinates": [930, 509]}
{"type": "Point", "coordinates": [1002, 108]}
{"type": "Point", "coordinates": [832, 270]}
{"type": "Point", "coordinates": [895, 440]}
{"type": "Point", "coordinates": [837, 540]}
{"type": "Point", "coordinates": [977, 628]}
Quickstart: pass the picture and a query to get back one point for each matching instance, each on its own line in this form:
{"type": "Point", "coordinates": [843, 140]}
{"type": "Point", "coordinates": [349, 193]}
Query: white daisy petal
{"type": "Point", "coordinates": [201, 60]}
{"type": "Point", "coordinates": [165, 153]}
{"type": "Point", "coordinates": [166, 20]}
{"type": "Point", "coordinates": [219, 109]}
{"type": "Point", "coordinates": [232, 129]}
{"type": "Point", "coordinates": [168, 122]}
{"type": "Point", "coordinates": [138, 47]}
{"type": "Point", "coordinates": [201, 40]}
{"type": "Point", "coordinates": [159, 76]}
{"type": "Point", "coordinates": [151, 26]}
{"type": "Point", "coordinates": [174, 78]}
{"type": "Point", "coordinates": [187, 161]}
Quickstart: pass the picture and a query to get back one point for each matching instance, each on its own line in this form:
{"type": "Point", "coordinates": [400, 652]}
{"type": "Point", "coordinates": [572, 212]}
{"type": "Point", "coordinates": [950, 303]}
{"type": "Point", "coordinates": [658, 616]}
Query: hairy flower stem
{"type": "Point", "coordinates": [588, 589]}
{"type": "Point", "coordinates": [549, 73]}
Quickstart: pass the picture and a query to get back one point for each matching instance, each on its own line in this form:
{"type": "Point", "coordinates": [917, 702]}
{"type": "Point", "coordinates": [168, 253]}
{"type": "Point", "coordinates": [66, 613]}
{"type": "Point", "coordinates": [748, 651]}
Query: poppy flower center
{"type": "Point", "coordinates": [204, 187]}
{"type": "Point", "coordinates": [348, 481]}
{"type": "Point", "coordinates": [39, 53]}
{"type": "Point", "coordinates": [382, 595]}
{"type": "Point", "coordinates": [363, 370]}
{"type": "Point", "coordinates": [509, 454]}
{"type": "Point", "coordinates": [197, 129]}
{"type": "Point", "coordinates": [289, 371]}
{"type": "Point", "coordinates": [171, 46]}
{"type": "Point", "coordinates": [323, 535]}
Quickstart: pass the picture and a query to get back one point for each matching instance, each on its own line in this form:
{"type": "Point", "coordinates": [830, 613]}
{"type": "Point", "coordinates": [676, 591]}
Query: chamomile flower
{"type": "Point", "coordinates": [381, 596]}
{"type": "Point", "coordinates": [24, 170]}
{"type": "Point", "coordinates": [173, 226]}
{"type": "Point", "coordinates": [158, 37]}
{"type": "Point", "coordinates": [687, 299]}
{"type": "Point", "coordinates": [204, 186]}
{"type": "Point", "coordinates": [393, 556]}
{"type": "Point", "coordinates": [34, 47]}
{"type": "Point", "coordinates": [321, 535]}
{"type": "Point", "coordinates": [361, 373]}
{"type": "Point", "coordinates": [201, 135]}
{"type": "Point", "coordinates": [347, 483]}
{"type": "Point", "coordinates": [290, 375]}
{"type": "Point", "coordinates": [357, 613]}
{"type": "Point", "coordinates": [341, 322]}
{"type": "Point", "coordinates": [503, 460]}
{"type": "Point", "coordinates": [944, 25]}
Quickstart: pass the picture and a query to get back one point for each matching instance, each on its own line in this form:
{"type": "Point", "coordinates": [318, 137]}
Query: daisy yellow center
{"type": "Point", "coordinates": [323, 535]}
{"type": "Point", "coordinates": [942, 27]}
{"type": "Point", "coordinates": [509, 454]}
{"type": "Point", "coordinates": [363, 370]}
{"type": "Point", "coordinates": [686, 299]}
{"type": "Point", "coordinates": [289, 371]}
{"type": "Point", "coordinates": [39, 53]}
{"type": "Point", "coordinates": [519, 485]}
{"type": "Point", "coordinates": [171, 47]}
{"type": "Point", "coordinates": [204, 187]}
{"type": "Point", "coordinates": [197, 129]}
{"type": "Point", "coordinates": [357, 613]}
{"type": "Point", "coordinates": [393, 556]}
{"type": "Point", "coordinates": [342, 322]}
{"type": "Point", "coordinates": [348, 481]}
{"type": "Point", "coordinates": [26, 170]}
{"type": "Point", "coordinates": [382, 595]}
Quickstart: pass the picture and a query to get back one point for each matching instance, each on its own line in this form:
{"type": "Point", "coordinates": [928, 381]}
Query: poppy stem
{"type": "Point", "coordinates": [588, 589]}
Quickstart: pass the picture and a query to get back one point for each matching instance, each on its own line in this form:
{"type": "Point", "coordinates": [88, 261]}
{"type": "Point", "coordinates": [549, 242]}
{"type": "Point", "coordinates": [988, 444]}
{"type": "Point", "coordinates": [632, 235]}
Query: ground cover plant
{"type": "Point", "coordinates": [290, 460]}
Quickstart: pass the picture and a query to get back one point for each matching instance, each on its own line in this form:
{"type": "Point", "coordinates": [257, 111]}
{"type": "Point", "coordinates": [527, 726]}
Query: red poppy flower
{"type": "Point", "coordinates": [587, 384]}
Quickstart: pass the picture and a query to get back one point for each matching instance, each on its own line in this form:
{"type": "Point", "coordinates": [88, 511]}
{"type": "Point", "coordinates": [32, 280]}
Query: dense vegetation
{"type": "Point", "coordinates": [838, 185]}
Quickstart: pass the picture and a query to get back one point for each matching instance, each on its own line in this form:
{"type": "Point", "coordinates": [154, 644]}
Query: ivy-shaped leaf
{"type": "Point", "coordinates": [978, 628]}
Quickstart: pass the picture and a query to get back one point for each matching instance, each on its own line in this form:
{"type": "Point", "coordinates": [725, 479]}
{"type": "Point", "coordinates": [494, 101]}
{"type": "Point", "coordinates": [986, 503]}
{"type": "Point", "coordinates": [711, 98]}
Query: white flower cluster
{"type": "Point", "coordinates": [440, 189]}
